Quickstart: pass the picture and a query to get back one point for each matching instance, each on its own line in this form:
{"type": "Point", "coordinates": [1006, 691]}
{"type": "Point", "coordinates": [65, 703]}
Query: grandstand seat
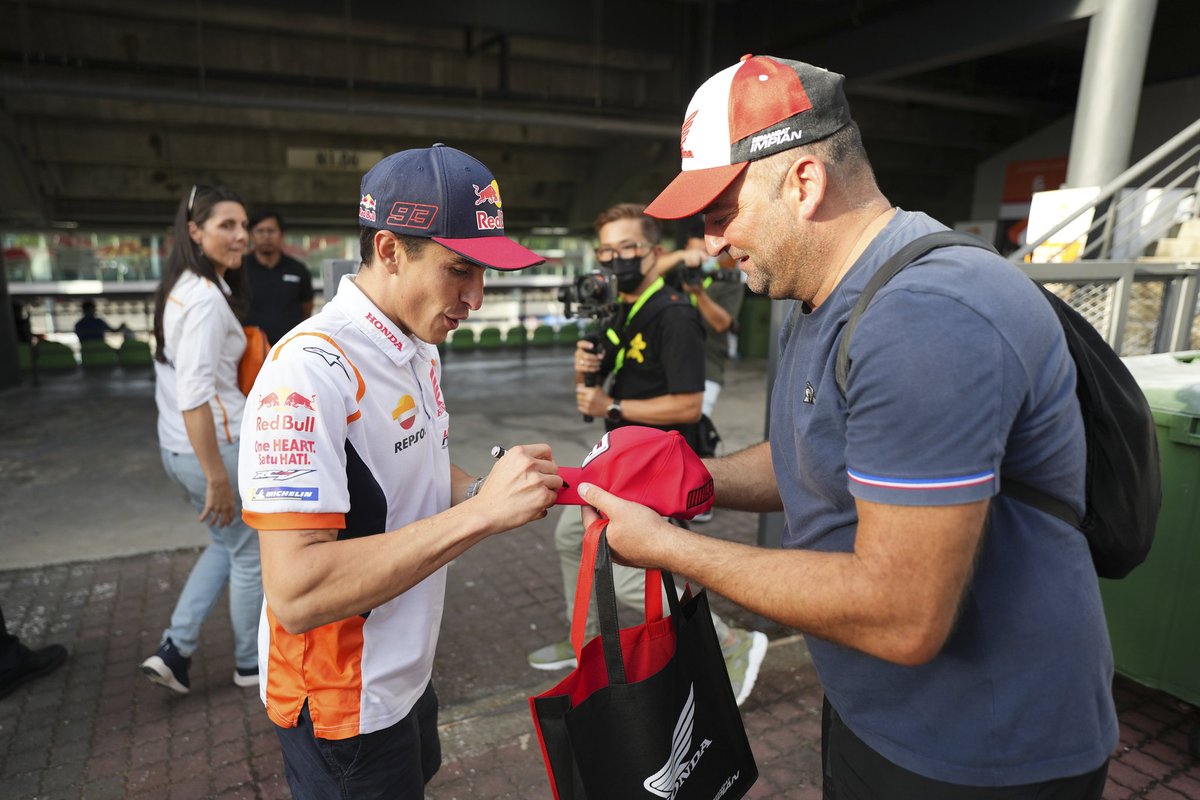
{"type": "Point", "coordinates": [97, 354]}
{"type": "Point", "coordinates": [135, 353]}
{"type": "Point", "coordinates": [489, 339]}
{"type": "Point", "coordinates": [55, 355]}
{"type": "Point", "coordinates": [462, 339]}
{"type": "Point", "coordinates": [568, 334]}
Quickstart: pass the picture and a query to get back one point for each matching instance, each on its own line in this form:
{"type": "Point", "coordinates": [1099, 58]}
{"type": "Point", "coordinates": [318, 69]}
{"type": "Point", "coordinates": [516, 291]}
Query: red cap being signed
{"type": "Point", "coordinates": [645, 465]}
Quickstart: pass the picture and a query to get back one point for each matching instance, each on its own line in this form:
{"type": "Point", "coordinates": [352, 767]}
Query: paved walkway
{"type": "Point", "coordinates": [95, 545]}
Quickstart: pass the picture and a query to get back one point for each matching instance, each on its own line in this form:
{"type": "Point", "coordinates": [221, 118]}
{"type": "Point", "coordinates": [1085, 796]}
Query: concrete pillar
{"type": "Point", "coordinates": [1109, 91]}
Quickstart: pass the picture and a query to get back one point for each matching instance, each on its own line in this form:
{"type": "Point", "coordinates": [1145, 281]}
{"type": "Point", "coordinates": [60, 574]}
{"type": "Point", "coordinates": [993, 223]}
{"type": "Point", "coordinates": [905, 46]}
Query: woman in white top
{"type": "Point", "coordinates": [199, 341]}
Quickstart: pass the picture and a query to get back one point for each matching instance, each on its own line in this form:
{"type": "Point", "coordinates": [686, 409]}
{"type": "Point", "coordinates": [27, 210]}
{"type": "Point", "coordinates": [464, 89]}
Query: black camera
{"type": "Point", "coordinates": [595, 294]}
{"type": "Point", "coordinates": [693, 276]}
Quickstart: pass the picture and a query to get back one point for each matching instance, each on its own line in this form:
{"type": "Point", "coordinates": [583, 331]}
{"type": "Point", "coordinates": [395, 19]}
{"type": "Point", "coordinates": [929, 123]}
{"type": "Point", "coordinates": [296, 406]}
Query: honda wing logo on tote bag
{"type": "Point", "coordinates": [666, 782]}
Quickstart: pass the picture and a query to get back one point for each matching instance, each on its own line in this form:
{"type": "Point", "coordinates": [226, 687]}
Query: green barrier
{"type": "Point", "coordinates": [515, 337]}
{"type": "Point", "coordinates": [1154, 613]}
{"type": "Point", "coordinates": [543, 336]}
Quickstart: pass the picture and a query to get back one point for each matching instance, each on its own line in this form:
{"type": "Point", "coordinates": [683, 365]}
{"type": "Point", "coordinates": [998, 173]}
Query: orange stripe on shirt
{"type": "Point", "coordinates": [224, 419]}
{"type": "Point", "coordinates": [362, 385]}
{"type": "Point", "coordinates": [293, 521]}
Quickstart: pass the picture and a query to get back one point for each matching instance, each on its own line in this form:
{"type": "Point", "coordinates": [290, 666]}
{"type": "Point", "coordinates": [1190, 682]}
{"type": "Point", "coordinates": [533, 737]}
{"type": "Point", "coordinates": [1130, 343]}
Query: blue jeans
{"type": "Point", "coordinates": [232, 557]}
{"type": "Point", "coordinates": [394, 763]}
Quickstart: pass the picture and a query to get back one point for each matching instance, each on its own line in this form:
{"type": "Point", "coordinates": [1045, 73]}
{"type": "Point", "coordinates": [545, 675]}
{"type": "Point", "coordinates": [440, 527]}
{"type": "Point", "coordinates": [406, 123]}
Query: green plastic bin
{"type": "Point", "coordinates": [1154, 612]}
{"type": "Point", "coordinates": [754, 327]}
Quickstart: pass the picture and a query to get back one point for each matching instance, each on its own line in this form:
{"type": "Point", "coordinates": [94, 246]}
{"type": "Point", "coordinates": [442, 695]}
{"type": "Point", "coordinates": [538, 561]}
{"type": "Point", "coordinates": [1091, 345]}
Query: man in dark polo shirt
{"type": "Point", "coordinates": [281, 287]}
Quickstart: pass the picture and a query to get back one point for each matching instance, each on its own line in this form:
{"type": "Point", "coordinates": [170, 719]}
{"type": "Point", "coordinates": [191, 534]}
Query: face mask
{"type": "Point", "coordinates": [628, 272]}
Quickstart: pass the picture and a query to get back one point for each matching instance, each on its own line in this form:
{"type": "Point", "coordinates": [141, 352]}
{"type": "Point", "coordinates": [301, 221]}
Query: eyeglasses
{"type": "Point", "coordinates": [626, 250]}
{"type": "Point", "coordinates": [191, 200]}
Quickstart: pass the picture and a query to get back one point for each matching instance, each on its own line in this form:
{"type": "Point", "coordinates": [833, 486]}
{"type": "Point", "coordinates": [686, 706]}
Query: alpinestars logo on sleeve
{"type": "Point", "coordinates": [666, 782]}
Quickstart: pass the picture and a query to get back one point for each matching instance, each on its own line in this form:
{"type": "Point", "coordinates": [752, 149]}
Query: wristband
{"type": "Point", "coordinates": [473, 489]}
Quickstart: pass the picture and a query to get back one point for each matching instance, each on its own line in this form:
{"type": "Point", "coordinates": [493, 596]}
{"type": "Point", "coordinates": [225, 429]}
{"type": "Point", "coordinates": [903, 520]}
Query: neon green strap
{"type": "Point", "coordinates": [707, 283]}
{"type": "Point", "coordinates": [637, 306]}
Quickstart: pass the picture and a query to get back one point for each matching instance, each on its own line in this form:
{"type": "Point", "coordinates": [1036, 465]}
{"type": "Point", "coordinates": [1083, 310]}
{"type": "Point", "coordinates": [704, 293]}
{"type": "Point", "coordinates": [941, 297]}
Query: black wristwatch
{"type": "Point", "coordinates": [613, 414]}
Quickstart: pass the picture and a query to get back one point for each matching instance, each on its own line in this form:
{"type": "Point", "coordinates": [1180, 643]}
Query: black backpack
{"type": "Point", "coordinates": [1123, 485]}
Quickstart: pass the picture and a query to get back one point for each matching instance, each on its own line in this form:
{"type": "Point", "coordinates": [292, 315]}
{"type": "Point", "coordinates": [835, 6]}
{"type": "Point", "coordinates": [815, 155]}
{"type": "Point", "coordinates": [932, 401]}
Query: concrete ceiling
{"type": "Point", "coordinates": [110, 109]}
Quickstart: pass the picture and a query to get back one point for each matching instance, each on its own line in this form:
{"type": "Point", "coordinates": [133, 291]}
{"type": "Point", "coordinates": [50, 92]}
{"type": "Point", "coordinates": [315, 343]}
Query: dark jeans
{"type": "Point", "coordinates": [853, 771]}
{"type": "Point", "coordinates": [394, 763]}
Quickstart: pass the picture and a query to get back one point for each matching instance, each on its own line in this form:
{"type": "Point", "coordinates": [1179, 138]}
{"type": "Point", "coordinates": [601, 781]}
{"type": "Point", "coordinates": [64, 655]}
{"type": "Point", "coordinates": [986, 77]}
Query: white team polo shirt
{"type": "Point", "coordinates": [203, 343]}
{"type": "Point", "coordinates": [346, 428]}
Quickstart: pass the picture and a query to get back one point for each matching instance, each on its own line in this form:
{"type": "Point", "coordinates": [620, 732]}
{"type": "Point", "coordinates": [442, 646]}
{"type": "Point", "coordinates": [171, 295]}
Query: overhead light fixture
{"type": "Point", "coordinates": [554, 231]}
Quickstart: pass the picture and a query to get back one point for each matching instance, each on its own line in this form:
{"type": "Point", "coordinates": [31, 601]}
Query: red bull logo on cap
{"type": "Point", "coordinates": [488, 194]}
{"type": "Point", "coordinates": [366, 208]}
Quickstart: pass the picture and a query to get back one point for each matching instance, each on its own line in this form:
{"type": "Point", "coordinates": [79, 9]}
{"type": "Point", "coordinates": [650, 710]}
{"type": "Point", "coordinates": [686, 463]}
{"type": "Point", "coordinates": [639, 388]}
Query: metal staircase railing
{"type": "Point", "coordinates": [1140, 303]}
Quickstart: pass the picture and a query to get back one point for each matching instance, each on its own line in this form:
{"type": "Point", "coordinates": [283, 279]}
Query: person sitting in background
{"type": "Point", "coordinates": [91, 328]}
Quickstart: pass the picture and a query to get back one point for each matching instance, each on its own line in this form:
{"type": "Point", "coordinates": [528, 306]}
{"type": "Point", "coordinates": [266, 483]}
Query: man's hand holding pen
{"type": "Point", "coordinates": [521, 486]}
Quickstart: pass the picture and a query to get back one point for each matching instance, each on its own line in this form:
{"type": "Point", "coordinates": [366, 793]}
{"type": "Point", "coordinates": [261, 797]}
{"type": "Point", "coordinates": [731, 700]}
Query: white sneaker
{"type": "Point", "coordinates": [246, 678]}
{"type": "Point", "coordinates": [743, 657]}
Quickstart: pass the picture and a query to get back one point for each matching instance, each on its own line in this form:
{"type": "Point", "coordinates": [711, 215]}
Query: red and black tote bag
{"type": "Point", "coordinates": [649, 712]}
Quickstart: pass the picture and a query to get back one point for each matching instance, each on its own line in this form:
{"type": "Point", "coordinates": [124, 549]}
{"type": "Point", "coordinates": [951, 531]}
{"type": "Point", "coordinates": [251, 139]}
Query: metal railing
{"type": "Point", "coordinates": [1140, 303]}
{"type": "Point", "coordinates": [1177, 162]}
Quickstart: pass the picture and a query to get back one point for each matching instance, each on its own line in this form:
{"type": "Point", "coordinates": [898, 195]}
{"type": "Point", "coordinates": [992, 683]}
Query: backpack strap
{"type": "Point", "coordinates": [899, 260]}
{"type": "Point", "coordinates": [902, 258]}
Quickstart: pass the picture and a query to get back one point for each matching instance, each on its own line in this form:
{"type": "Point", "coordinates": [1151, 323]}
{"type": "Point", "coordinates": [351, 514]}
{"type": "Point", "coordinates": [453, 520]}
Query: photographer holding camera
{"type": "Point", "coordinates": [645, 368]}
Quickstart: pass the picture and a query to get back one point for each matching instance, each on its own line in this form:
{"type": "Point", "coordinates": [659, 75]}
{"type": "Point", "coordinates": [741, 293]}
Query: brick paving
{"type": "Point", "coordinates": [98, 729]}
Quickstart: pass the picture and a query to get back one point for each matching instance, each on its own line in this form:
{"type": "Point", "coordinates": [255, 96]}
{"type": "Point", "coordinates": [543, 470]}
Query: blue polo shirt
{"type": "Point", "coordinates": [960, 374]}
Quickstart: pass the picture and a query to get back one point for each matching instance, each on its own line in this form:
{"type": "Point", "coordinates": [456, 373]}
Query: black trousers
{"type": "Point", "coordinates": [392, 764]}
{"type": "Point", "coordinates": [853, 771]}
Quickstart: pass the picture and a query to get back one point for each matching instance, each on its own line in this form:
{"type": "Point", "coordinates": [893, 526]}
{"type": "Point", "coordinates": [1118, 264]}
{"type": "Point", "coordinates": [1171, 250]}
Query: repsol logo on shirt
{"type": "Point", "coordinates": [409, 441]}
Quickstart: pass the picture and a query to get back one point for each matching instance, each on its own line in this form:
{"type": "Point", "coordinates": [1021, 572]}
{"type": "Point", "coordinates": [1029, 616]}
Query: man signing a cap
{"type": "Point", "coordinates": [955, 663]}
{"type": "Point", "coordinates": [346, 474]}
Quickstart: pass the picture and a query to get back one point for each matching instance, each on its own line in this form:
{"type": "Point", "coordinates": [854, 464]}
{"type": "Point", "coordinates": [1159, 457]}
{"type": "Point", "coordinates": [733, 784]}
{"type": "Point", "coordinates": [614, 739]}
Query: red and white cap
{"type": "Point", "coordinates": [758, 107]}
{"type": "Point", "coordinates": [646, 465]}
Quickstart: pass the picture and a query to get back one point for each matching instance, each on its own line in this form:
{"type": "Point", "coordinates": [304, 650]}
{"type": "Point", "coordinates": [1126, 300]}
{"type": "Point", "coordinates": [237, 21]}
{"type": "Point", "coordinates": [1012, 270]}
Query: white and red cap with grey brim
{"type": "Point", "coordinates": [756, 108]}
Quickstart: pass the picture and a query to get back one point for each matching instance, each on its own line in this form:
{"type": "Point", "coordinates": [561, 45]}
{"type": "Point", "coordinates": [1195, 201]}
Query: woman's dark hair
{"type": "Point", "coordinates": [186, 256]}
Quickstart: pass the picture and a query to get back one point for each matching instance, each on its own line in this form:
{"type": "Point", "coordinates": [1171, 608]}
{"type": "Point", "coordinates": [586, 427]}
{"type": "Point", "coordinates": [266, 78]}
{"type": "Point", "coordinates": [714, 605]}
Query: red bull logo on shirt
{"type": "Point", "coordinates": [282, 399]}
{"type": "Point", "coordinates": [405, 412]}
